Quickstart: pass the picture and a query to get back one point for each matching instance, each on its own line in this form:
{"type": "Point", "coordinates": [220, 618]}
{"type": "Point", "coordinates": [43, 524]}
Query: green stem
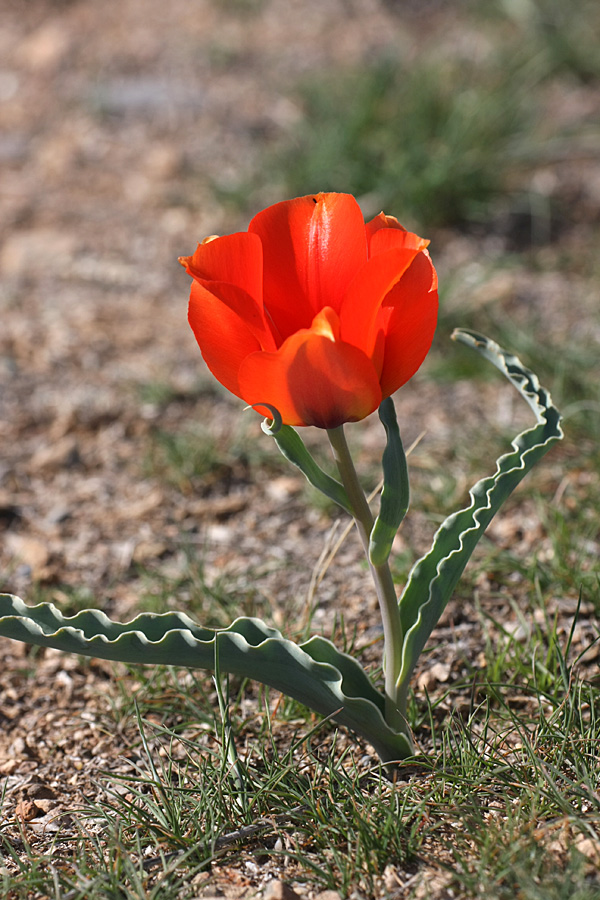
{"type": "Point", "coordinates": [382, 578]}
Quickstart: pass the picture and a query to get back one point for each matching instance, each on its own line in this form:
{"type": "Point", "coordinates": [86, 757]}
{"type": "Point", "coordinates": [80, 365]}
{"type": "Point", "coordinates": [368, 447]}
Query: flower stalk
{"type": "Point", "coordinates": [382, 579]}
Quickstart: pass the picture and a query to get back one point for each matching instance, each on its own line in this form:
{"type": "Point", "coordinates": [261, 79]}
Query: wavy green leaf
{"type": "Point", "coordinates": [293, 448]}
{"type": "Point", "coordinates": [434, 577]}
{"type": "Point", "coordinates": [314, 673]}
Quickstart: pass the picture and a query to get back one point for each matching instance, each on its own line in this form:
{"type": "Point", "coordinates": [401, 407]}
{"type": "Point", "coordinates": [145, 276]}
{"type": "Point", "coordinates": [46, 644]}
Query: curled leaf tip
{"type": "Point", "coordinates": [468, 337]}
{"type": "Point", "coordinates": [269, 426]}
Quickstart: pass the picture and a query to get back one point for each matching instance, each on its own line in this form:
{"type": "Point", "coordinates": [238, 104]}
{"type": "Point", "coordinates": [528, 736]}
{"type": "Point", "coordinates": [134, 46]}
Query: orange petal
{"type": "Point", "coordinates": [223, 336]}
{"type": "Point", "coordinates": [233, 259]}
{"type": "Point", "coordinates": [359, 313]}
{"type": "Point", "coordinates": [312, 380]}
{"type": "Point", "coordinates": [382, 221]}
{"type": "Point", "coordinates": [313, 247]}
{"type": "Point", "coordinates": [390, 238]}
{"type": "Point", "coordinates": [385, 232]}
{"type": "Point", "coordinates": [411, 325]}
{"type": "Point", "coordinates": [230, 268]}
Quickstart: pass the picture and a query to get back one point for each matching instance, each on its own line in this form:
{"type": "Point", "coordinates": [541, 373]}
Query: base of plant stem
{"type": "Point", "coordinates": [393, 753]}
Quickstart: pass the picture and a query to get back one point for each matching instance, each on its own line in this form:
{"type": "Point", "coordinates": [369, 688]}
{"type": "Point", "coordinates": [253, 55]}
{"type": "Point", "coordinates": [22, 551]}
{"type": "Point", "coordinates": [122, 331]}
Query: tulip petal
{"type": "Point", "coordinates": [383, 221]}
{"type": "Point", "coordinates": [313, 247]}
{"type": "Point", "coordinates": [312, 380]}
{"type": "Point", "coordinates": [389, 238]}
{"type": "Point", "coordinates": [224, 338]}
{"type": "Point", "coordinates": [233, 259]}
{"type": "Point", "coordinates": [411, 324]}
{"type": "Point", "coordinates": [359, 314]}
{"type": "Point", "coordinates": [230, 268]}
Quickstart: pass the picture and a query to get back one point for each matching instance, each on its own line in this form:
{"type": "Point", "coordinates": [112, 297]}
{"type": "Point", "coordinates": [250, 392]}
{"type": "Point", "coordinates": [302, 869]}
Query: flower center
{"type": "Point", "coordinates": [327, 324]}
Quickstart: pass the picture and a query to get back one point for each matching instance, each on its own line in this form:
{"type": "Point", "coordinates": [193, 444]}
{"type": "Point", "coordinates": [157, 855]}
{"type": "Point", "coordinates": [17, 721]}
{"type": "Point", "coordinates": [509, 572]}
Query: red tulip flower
{"type": "Point", "coordinates": [312, 311]}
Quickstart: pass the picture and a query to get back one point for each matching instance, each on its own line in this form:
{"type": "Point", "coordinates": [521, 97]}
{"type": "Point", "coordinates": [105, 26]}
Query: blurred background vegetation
{"type": "Point", "coordinates": [453, 132]}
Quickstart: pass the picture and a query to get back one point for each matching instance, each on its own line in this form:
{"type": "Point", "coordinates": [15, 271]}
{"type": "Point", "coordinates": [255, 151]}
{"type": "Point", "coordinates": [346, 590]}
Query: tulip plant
{"type": "Point", "coordinates": [314, 318]}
